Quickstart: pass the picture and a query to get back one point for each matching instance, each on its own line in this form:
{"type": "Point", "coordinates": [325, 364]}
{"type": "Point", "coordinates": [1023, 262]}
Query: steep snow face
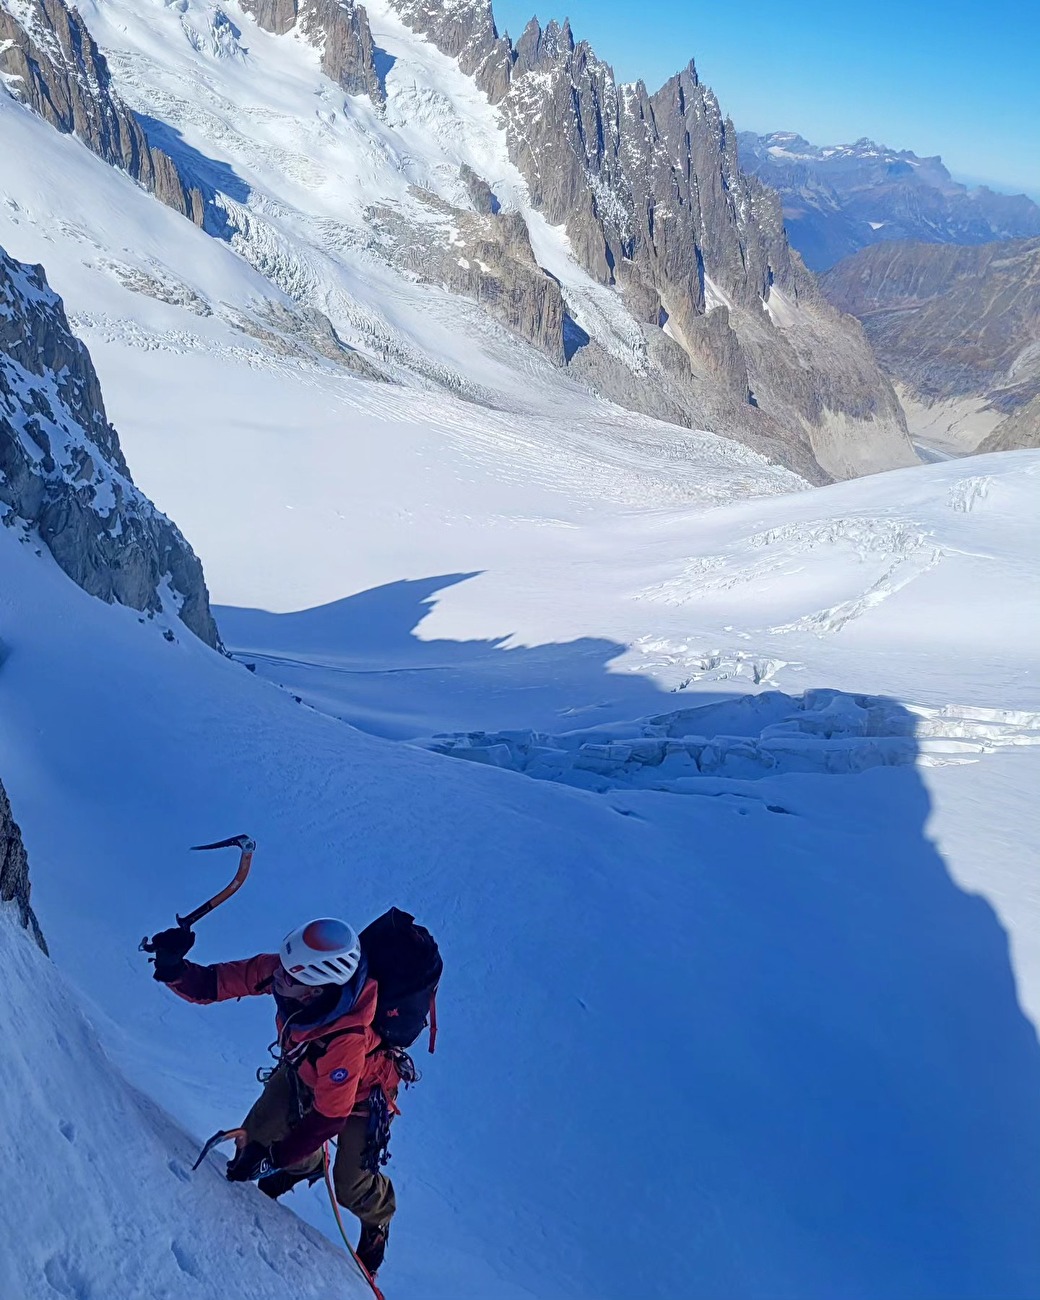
{"type": "Point", "coordinates": [107, 1204]}
{"type": "Point", "coordinates": [771, 1005]}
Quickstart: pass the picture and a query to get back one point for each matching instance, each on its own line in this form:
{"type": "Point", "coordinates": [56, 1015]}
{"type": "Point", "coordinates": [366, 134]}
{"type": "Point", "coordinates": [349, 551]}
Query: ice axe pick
{"type": "Point", "coordinates": [247, 847]}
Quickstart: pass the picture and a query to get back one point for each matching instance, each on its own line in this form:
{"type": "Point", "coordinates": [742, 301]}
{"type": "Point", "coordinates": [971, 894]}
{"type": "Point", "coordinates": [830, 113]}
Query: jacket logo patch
{"type": "Point", "coordinates": [339, 1076]}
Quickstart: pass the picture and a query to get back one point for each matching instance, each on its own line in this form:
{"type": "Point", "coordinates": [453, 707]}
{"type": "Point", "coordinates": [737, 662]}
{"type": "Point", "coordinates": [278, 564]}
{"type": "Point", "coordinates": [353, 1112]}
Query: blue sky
{"type": "Point", "coordinates": [947, 77]}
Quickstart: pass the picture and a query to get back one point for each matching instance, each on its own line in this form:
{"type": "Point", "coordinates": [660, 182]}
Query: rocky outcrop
{"type": "Point", "coordinates": [484, 255]}
{"type": "Point", "coordinates": [278, 16]}
{"type": "Point", "coordinates": [655, 205]}
{"type": "Point", "coordinates": [1018, 431]}
{"type": "Point", "coordinates": [62, 472]}
{"type": "Point", "coordinates": [842, 198]}
{"type": "Point", "coordinates": [465, 30]}
{"type": "Point", "coordinates": [50, 62]}
{"type": "Point", "coordinates": [952, 323]}
{"type": "Point", "coordinates": [339, 29]}
{"type": "Point", "coordinates": [14, 870]}
{"type": "Point", "coordinates": [480, 192]}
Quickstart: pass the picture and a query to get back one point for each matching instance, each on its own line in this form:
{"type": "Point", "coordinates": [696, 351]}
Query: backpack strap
{"type": "Point", "coordinates": [317, 1047]}
{"type": "Point", "coordinates": [433, 1021]}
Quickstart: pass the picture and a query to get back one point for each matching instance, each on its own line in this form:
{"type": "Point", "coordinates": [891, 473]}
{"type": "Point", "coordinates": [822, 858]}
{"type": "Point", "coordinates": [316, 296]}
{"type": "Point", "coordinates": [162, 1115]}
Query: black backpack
{"type": "Point", "coordinates": [405, 961]}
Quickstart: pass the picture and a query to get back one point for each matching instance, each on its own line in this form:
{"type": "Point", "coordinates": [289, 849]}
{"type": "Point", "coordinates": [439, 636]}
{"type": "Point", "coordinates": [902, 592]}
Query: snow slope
{"type": "Point", "coordinates": [106, 1204]}
{"type": "Point", "coordinates": [858, 586]}
{"type": "Point", "coordinates": [762, 1011]}
{"type": "Point", "coordinates": [773, 1028]}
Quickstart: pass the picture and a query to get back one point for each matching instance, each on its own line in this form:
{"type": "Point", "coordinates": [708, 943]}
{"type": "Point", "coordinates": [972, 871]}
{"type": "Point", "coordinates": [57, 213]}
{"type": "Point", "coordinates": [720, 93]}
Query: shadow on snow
{"type": "Point", "coordinates": [812, 1072]}
{"type": "Point", "coordinates": [360, 659]}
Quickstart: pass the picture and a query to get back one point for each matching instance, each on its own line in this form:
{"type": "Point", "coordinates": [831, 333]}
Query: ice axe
{"type": "Point", "coordinates": [236, 1135]}
{"type": "Point", "coordinates": [247, 846]}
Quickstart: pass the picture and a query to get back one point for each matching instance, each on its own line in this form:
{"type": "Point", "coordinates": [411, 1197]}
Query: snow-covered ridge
{"type": "Point", "coordinates": [653, 200]}
{"type": "Point", "coordinates": [50, 62]}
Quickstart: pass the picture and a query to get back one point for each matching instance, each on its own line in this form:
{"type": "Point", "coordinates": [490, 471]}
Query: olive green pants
{"type": "Point", "coordinates": [367, 1195]}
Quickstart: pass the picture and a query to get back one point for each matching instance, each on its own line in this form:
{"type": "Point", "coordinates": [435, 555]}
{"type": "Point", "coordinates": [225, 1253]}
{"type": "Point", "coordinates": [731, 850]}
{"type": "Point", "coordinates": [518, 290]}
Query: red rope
{"type": "Point", "coordinates": [339, 1220]}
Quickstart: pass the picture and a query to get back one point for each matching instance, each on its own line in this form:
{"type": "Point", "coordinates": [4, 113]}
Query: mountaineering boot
{"type": "Point", "coordinates": [371, 1245]}
{"type": "Point", "coordinates": [280, 1182]}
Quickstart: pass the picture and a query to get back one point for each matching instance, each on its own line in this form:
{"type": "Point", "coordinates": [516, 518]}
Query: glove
{"type": "Point", "coordinates": [252, 1162]}
{"type": "Point", "coordinates": [170, 947]}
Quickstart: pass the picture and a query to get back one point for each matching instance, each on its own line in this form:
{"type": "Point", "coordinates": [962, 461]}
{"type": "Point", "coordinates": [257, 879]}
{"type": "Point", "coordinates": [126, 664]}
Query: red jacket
{"type": "Point", "coordinates": [340, 1075]}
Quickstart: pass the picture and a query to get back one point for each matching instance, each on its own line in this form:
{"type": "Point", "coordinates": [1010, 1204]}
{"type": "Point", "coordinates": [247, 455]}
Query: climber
{"type": "Point", "coordinates": [335, 1075]}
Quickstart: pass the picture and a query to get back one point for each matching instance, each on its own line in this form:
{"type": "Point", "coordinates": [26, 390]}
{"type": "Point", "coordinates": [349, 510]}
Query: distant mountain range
{"type": "Point", "coordinates": [841, 198]}
{"type": "Point", "coordinates": [958, 331]}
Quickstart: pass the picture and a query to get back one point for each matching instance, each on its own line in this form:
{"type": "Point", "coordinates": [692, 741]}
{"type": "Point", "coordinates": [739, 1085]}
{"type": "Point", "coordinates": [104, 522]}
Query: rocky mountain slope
{"type": "Point", "coordinates": [50, 62]}
{"type": "Point", "coordinates": [654, 203]}
{"type": "Point", "coordinates": [610, 230]}
{"type": "Point", "coordinates": [1020, 429]}
{"type": "Point", "coordinates": [958, 329]}
{"type": "Point", "coordinates": [63, 477]}
{"type": "Point", "coordinates": [14, 870]}
{"type": "Point", "coordinates": [841, 198]}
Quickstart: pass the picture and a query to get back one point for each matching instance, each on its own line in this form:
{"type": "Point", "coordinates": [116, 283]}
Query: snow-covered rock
{"type": "Point", "coordinates": [64, 477]}
{"type": "Point", "coordinates": [14, 871]}
{"type": "Point", "coordinates": [326, 141]}
{"type": "Point", "coordinates": [50, 62]}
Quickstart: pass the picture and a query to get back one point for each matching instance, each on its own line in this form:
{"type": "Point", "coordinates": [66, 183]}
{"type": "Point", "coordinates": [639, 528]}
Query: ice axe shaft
{"type": "Point", "coordinates": [247, 845]}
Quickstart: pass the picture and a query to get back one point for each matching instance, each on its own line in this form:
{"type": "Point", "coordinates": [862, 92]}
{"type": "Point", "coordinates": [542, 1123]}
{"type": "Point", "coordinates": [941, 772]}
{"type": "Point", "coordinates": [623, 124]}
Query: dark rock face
{"type": "Point", "coordinates": [952, 322]}
{"type": "Point", "coordinates": [338, 28]}
{"type": "Point", "coordinates": [485, 256]}
{"type": "Point", "coordinates": [14, 870]}
{"type": "Point", "coordinates": [1018, 431]}
{"type": "Point", "coordinates": [53, 65]}
{"type": "Point", "coordinates": [278, 16]}
{"type": "Point", "coordinates": [842, 198]}
{"type": "Point", "coordinates": [480, 192]}
{"type": "Point", "coordinates": [62, 471]}
{"type": "Point", "coordinates": [655, 204]}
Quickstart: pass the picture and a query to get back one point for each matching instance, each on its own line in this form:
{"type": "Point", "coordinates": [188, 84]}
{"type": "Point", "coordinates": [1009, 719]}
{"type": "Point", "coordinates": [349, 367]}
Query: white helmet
{"type": "Point", "coordinates": [325, 951]}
